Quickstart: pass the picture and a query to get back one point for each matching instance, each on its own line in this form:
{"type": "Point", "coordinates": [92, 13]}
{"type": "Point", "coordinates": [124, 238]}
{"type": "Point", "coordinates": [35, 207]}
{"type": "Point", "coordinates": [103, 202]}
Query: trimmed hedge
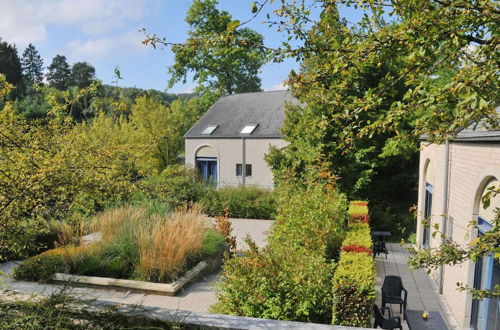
{"type": "Point", "coordinates": [354, 279]}
{"type": "Point", "coordinates": [358, 212]}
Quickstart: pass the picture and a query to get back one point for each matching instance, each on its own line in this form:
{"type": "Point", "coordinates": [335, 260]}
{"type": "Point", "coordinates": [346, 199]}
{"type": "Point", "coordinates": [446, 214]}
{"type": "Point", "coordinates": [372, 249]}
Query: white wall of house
{"type": "Point", "coordinates": [229, 153]}
{"type": "Point", "coordinates": [472, 167]}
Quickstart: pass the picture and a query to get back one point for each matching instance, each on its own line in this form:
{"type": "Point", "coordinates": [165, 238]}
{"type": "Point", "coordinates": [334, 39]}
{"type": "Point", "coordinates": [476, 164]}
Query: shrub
{"type": "Point", "coordinates": [280, 283]}
{"type": "Point", "coordinates": [313, 218]}
{"type": "Point", "coordinates": [358, 212]}
{"type": "Point", "coordinates": [354, 279]}
{"type": "Point", "coordinates": [176, 186]}
{"type": "Point", "coordinates": [291, 278]}
{"type": "Point", "coordinates": [353, 290]}
{"type": "Point", "coordinates": [41, 267]}
{"type": "Point", "coordinates": [240, 202]}
{"type": "Point", "coordinates": [213, 243]}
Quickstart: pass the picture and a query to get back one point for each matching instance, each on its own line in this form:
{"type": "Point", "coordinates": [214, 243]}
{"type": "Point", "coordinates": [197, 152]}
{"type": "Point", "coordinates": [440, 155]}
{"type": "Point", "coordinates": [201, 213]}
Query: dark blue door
{"type": "Point", "coordinates": [207, 167]}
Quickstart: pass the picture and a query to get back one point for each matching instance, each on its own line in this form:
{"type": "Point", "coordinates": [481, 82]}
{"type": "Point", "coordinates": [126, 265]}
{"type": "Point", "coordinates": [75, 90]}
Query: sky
{"type": "Point", "coordinates": [106, 34]}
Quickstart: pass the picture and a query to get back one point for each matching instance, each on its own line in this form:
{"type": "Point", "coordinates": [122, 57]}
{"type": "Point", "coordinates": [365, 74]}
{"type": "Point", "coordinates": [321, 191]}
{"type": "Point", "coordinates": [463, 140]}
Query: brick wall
{"type": "Point", "coordinates": [471, 166]}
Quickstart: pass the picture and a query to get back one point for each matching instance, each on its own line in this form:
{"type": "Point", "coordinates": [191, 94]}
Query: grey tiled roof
{"type": "Point", "coordinates": [479, 132]}
{"type": "Point", "coordinates": [231, 113]}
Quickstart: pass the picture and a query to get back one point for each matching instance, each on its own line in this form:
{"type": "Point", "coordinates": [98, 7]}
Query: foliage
{"type": "Point", "coordinates": [225, 63]}
{"type": "Point", "coordinates": [240, 202]}
{"type": "Point", "coordinates": [313, 218]}
{"type": "Point", "coordinates": [354, 279]}
{"type": "Point", "coordinates": [452, 253]}
{"type": "Point", "coordinates": [353, 290]}
{"type": "Point", "coordinates": [59, 73]}
{"type": "Point", "coordinates": [224, 226]}
{"type": "Point", "coordinates": [133, 246]}
{"type": "Point", "coordinates": [82, 74]}
{"type": "Point", "coordinates": [32, 65]}
{"type": "Point", "coordinates": [358, 212]}
{"type": "Point", "coordinates": [177, 185]}
{"type": "Point", "coordinates": [10, 66]}
{"type": "Point", "coordinates": [60, 311]}
{"type": "Point", "coordinates": [290, 279]}
{"type": "Point", "coordinates": [285, 283]}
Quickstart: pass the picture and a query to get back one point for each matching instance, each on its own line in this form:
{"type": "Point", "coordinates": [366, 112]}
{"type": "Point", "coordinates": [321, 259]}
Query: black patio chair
{"type": "Point", "coordinates": [391, 293]}
{"type": "Point", "coordinates": [379, 247]}
{"type": "Point", "coordinates": [386, 323]}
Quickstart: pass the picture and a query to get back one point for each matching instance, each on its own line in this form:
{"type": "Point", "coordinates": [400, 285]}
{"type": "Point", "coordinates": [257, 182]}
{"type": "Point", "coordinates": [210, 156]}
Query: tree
{"type": "Point", "coordinates": [82, 74]}
{"type": "Point", "coordinates": [10, 65]}
{"type": "Point", "coordinates": [59, 75]}
{"type": "Point", "coordinates": [32, 65]}
{"type": "Point", "coordinates": [224, 62]}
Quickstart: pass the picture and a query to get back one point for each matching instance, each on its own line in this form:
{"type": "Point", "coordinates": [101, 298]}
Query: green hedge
{"type": "Point", "coordinates": [240, 202]}
{"type": "Point", "coordinates": [283, 283]}
{"type": "Point", "coordinates": [354, 280]}
{"type": "Point", "coordinates": [291, 279]}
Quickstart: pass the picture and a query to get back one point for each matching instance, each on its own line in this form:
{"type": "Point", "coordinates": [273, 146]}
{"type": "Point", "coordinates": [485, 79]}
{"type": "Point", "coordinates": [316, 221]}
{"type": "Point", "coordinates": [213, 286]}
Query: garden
{"type": "Point", "coordinates": [135, 243]}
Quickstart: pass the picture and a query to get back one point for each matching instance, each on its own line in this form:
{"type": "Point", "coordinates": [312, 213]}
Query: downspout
{"type": "Point", "coordinates": [243, 162]}
{"type": "Point", "coordinates": [444, 212]}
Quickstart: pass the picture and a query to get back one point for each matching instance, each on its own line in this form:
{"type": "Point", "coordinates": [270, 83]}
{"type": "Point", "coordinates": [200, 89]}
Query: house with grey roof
{"type": "Point", "coordinates": [229, 142]}
{"type": "Point", "coordinates": [454, 176]}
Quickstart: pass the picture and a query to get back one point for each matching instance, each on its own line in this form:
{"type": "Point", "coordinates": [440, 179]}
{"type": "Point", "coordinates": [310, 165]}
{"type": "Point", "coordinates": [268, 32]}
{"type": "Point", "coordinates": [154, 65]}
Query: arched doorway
{"type": "Point", "coordinates": [486, 313]}
{"type": "Point", "coordinates": [206, 160]}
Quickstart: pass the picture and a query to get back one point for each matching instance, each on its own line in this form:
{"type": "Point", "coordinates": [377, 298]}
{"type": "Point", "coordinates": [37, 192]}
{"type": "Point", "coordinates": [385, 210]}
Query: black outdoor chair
{"type": "Point", "coordinates": [386, 323]}
{"type": "Point", "coordinates": [391, 293]}
{"type": "Point", "coordinates": [379, 247]}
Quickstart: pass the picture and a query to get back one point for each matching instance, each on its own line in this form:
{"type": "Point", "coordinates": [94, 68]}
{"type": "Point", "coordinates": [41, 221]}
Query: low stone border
{"type": "Point", "coordinates": [168, 289]}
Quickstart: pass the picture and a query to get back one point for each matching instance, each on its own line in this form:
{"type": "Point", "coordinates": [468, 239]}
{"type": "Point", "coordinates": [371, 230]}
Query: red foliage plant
{"type": "Point", "coordinates": [360, 203]}
{"type": "Point", "coordinates": [356, 249]}
{"type": "Point", "coordinates": [364, 218]}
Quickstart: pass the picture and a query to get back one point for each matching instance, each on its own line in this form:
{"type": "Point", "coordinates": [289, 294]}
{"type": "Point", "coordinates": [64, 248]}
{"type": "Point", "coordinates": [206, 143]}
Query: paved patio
{"type": "Point", "coordinates": [422, 293]}
{"type": "Point", "coordinates": [197, 297]}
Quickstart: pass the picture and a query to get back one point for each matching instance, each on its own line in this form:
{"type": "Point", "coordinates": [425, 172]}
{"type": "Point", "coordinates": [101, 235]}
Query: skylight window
{"type": "Point", "coordinates": [209, 129]}
{"type": "Point", "coordinates": [248, 129]}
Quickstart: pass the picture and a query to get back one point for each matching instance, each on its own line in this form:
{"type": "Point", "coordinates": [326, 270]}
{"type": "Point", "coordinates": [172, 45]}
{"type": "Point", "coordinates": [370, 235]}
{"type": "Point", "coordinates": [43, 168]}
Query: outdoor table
{"type": "Point", "coordinates": [416, 322]}
{"type": "Point", "coordinates": [381, 234]}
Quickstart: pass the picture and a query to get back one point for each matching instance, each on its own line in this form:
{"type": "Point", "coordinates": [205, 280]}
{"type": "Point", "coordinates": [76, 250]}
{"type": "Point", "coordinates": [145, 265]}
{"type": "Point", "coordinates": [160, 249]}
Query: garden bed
{"type": "Point", "coordinates": [134, 250]}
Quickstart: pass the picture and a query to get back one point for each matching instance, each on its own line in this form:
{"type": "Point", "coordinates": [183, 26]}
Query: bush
{"type": "Point", "coordinates": [281, 283]}
{"type": "Point", "coordinates": [176, 186]}
{"type": "Point", "coordinates": [354, 279]}
{"type": "Point", "coordinates": [291, 278]}
{"type": "Point", "coordinates": [358, 212]}
{"type": "Point", "coordinates": [313, 218]}
{"type": "Point", "coordinates": [354, 290]}
{"type": "Point", "coordinates": [240, 202]}
{"type": "Point", "coordinates": [41, 267]}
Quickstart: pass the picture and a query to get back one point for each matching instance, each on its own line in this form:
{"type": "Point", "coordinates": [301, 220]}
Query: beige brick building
{"type": "Point", "coordinates": [228, 144]}
{"type": "Point", "coordinates": [453, 178]}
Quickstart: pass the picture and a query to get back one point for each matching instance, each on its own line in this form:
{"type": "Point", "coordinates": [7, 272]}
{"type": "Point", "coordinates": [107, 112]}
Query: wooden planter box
{"type": "Point", "coordinates": [170, 289]}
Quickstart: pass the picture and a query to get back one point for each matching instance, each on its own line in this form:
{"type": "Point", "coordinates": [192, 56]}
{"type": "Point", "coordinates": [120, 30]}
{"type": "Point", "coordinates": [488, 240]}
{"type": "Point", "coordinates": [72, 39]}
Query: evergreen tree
{"type": "Point", "coordinates": [82, 74]}
{"type": "Point", "coordinates": [32, 65]}
{"type": "Point", "coordinates": [59, 75]}
{"type": "Point", "coordinates": [10, 65]}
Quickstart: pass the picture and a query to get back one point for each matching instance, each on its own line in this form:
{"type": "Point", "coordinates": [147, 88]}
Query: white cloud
{"type": "Point", "coordinates": [276, 87]}
{"type": "Point", "coordinates": [97, 48]}
{"type": "Point", "coordinates": [24, 21]}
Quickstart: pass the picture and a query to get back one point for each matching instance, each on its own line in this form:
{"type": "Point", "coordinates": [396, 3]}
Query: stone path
{"type": "Point", "coordinates": [197, 297]}
{"type": "Point", "coordinates": [422, 293]}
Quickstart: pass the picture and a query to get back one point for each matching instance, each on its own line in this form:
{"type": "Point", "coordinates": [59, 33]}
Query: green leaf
{"type": "Point", "coordinates": [233, 25]}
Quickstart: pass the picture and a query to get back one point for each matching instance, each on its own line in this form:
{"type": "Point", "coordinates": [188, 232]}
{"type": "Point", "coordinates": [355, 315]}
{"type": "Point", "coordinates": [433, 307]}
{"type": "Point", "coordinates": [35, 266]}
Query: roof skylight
{"type": "Point", "coordinates": [248, 129]}
{"type": "Point", "coordinates": [209, 129]}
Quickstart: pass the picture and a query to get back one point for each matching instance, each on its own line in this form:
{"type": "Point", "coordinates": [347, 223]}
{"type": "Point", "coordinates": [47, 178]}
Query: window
{"type": "Point", "coordinates": [209, 129]}
{"type": "Point", "coordinates": [248, 129]}
{"type": "Point", "coordinates": [427, 215]}
{"type": "Point", "coordinates": [248, 171]}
